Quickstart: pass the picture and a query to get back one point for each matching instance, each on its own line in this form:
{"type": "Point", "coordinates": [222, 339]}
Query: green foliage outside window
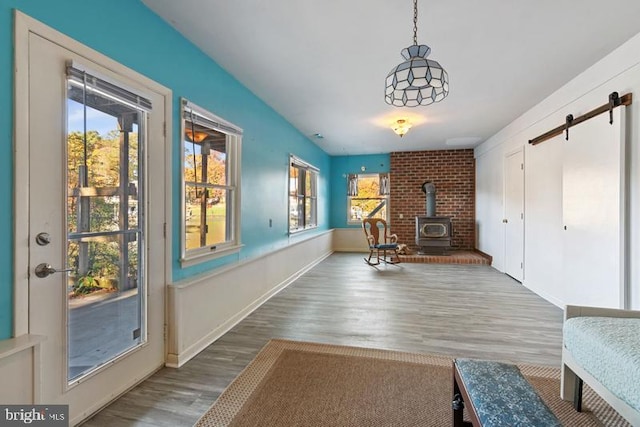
{"type": "Point", "coordinates": [103, 171]}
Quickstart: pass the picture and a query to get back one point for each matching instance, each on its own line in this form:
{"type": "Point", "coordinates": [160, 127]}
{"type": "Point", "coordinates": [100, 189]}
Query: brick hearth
{"type": "Point", "coordinates": [455, 257]}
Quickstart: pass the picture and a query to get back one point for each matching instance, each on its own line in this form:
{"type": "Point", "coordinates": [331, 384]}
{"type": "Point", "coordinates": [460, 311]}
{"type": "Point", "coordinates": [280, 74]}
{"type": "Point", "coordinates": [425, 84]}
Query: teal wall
{"type": "Point", "coordinates": [6, 172]}
{"type": "Point", "coordinates": [341, 166]}
{"type": "Point", "coordinates": [128, 32]}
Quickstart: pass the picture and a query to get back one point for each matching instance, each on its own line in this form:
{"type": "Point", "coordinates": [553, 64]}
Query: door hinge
{"type": "Point", "coordinates": [521, 215]}
{"type": "Point", "coordinates": [164, 230]}
{"type": "Point", "coordinates": [164, 129]}
{"type": "Point", "coordinates": [521, 166]}
{"type": "Point", "coordinates": [520, 266]}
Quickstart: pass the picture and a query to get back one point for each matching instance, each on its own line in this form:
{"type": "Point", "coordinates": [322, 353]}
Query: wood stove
{"type": "Point", "coordinates": [433, 233]}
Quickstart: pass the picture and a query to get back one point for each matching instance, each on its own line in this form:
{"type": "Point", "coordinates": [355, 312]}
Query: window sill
{"type": "Point", "coordinates": [198, 258]}
{"type": "Point", "coordinates": [302, 230]}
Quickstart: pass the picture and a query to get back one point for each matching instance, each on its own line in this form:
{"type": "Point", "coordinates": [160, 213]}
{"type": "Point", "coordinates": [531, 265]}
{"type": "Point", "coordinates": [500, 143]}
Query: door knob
{"type": "Point", "coordinates": [44, 269]}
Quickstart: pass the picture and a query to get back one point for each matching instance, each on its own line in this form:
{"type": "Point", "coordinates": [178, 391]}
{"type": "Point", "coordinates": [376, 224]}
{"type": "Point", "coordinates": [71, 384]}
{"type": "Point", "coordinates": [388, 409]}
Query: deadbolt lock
{"type": "Point", "coordinates": [43, 239]}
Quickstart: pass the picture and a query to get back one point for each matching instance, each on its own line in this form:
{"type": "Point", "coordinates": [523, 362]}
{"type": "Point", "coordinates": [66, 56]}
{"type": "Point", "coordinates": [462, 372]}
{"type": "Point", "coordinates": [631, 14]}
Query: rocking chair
{"type": "Point", "coordinates": [380, 240]}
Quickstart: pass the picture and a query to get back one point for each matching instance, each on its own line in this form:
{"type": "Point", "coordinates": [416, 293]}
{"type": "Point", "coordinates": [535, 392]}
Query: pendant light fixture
{"type": "Point", "coordinates": [418, 80]}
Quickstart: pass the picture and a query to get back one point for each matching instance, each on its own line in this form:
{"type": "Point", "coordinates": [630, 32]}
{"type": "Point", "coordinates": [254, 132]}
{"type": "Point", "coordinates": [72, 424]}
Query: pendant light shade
{"type": "Point", "coordinates": [417, 80]}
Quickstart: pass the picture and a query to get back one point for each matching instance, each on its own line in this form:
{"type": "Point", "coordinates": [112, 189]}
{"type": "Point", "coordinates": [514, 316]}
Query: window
{"type": "Point", "coordinates": [368, 197]}
{"type": "Point", "coordinates": [211, 184]}
{"type": "Point", "coordinates": [303, 195]}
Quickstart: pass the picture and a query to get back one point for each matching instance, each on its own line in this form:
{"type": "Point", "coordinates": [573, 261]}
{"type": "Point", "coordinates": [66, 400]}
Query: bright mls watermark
{"type": "Point", "coordinates": [34, 415]}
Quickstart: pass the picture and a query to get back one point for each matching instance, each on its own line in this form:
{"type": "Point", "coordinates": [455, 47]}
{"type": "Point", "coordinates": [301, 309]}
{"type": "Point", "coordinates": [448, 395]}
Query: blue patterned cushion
{"type": "Point", "coordinates": [386, 246]}
{"type": "Point", "coordinates": [609, 349]}
{"type": "Point", "coordinates": [501, 396]}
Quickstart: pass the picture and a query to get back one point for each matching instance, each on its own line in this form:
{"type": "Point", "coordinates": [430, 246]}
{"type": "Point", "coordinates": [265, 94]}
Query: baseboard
{"type": "Point", "coordinates": [177, 360]}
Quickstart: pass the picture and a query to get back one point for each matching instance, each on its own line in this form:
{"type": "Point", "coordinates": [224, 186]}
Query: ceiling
{"type": "Point", "coordinates": [322, 64]}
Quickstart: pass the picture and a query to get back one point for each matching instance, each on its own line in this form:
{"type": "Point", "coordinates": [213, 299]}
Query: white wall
{"type": "Point", "coordinates": [619, 71]}
{"type": "Point", "coordinates": [349, 240]}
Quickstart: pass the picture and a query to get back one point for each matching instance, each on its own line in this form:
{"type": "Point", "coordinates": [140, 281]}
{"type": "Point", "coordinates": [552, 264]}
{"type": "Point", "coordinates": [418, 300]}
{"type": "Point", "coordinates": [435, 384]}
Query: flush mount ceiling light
{"type": "Point", "coordinates": [418, 80]}
{"type": "Point", "coordinates": [401, 127]}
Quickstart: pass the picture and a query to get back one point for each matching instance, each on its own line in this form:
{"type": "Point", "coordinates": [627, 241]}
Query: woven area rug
{"type": "Point", "coordinates": [292, 383]}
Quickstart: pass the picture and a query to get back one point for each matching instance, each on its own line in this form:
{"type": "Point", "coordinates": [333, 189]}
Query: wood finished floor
{"type": "Point", "coordinates": [457, 310]}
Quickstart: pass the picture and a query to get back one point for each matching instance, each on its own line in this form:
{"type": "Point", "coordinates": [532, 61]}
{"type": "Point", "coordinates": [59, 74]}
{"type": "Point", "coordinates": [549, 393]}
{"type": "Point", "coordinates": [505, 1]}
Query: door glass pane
{"type": "Point", "coordinates": [105, 304]}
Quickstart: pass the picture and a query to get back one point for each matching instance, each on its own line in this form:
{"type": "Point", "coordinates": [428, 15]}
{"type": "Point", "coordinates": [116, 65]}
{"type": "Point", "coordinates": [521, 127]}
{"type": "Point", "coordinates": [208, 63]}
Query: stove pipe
{"type": "Point", "coordinates": [429, 188]}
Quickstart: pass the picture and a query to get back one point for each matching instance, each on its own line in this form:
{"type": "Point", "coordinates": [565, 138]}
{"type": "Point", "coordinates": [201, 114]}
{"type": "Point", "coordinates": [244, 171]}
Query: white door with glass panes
{"type": "Point", "coordinates": [95, 207]}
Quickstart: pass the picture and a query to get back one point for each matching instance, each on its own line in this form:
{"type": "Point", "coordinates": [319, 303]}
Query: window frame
{"type": "Point", "coordinates": [305, 167]}
{"type": "Point", "coordinates": [233, 184]}
{"type": "Point", "coordinates": [385, 197]}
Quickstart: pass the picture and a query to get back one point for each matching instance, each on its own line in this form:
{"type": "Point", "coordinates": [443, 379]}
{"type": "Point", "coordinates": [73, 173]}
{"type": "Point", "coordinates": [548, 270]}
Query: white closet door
{"type": "Point", "coordinates": [593, 212]}
{"type": "Point", "coordinates": [514, 215]}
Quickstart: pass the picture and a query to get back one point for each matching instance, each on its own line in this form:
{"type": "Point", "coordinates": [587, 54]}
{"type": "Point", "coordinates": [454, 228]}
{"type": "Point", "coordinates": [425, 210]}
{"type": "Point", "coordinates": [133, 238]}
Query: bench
{"type": "Point", "coordinates": [496, 395]}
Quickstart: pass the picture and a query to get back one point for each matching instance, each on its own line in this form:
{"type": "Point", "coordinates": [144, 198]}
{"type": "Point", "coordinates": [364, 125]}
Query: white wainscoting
{"type": "Point", "coordinates": [202, 309]}
{"type": "Point", "coordinates": [20, 370]}
{"type": "Point", "coordinates": [349, 240]}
